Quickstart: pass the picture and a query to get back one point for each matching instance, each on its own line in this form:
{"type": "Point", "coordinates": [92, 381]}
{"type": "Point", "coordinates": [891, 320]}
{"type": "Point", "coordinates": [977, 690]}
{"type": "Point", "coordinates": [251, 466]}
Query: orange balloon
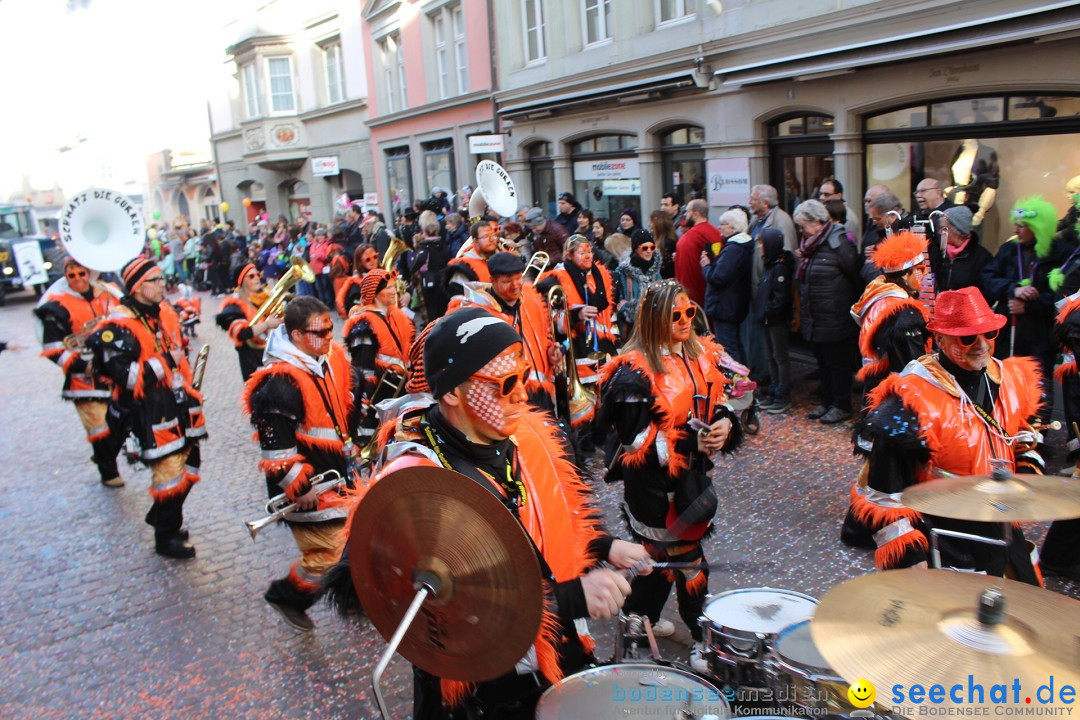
{"type": "Point", "coordinates": [247, 202]}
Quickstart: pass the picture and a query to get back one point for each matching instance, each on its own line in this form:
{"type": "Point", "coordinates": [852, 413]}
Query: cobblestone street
{"type": "Point", "coordinates": [96, 625]}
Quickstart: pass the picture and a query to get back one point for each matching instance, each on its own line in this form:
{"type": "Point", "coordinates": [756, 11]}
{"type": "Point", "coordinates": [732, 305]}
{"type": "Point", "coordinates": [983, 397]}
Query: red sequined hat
{"type": "Point", "coordinates": [964, 312]}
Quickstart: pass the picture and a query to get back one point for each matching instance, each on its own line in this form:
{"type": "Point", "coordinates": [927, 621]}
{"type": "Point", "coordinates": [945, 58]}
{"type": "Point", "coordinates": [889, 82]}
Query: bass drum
{"type": "Point", "coordinates": [620, 691]}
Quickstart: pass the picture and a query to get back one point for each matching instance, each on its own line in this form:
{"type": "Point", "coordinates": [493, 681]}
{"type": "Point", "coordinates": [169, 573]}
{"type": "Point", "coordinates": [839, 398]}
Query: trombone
{"type": "Point", "coordinates": [394, 378]}
{"type": "Point", "coordinates": [539, 262]}
{"type": "Point", "coordinates": [200, 366]}
{"type": "Point", "coordinates": [581, 400]}
{"type": "Point", "coordinates": [280, 505]}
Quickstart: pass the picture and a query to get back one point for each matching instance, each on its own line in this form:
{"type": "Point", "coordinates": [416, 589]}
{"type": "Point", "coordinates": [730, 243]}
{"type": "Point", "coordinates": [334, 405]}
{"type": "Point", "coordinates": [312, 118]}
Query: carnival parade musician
{"type": "Point", "coordinates": [516, 302]}
{"type": "Point", "coordinates": [301, 405]}
{"type": "Point", "coordinates": [892, 333]}
{"type": "Point", "coordinates": [72, 306]}
{"type": "Point", "coordinates": [470, 265]}
{"type": "Point", "coordinates": [958, 412]}
{"type": "Point", "coordinates": [139, 347]}
{"type": "Point", "coordinates": [347, 296]}
{"type": "Point", "coordinates": [589, 318]}
{"type": "Point", "coordinates": [237, 311]}
{"type": "Point", "coordinates": [481, 427]}
{"type": "Point", "coordinates": [378, 336]}
{"type": "Point", "coordinates": [665, 398]}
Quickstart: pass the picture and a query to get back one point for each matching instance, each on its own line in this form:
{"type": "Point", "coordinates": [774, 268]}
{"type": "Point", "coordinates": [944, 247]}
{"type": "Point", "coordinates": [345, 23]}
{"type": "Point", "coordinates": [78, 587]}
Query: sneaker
{"type": "Point", "coordinates": [699, 658]}
{"type": "Point", "coordinates": [764, 395]}
{"type": "Point", "coordinates": [817, 413]}
{"type": "Point", "coordinates": [835, 415]}
{"type": "Point", "coordinates": [175, 547]}
{"type": "Point", "coordinates": [779, 405]}
{"type": "Point", "coordinates": [116, 482]}
{"type": "Point", "coordinates": [663, 628]}
{"type": "Point", "coordinates": [293, 617]}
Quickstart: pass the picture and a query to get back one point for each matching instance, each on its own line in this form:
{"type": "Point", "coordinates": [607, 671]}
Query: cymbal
{"type": "Point", "coordinates": [486, 612]}
{"type": "Point", "coordinates": [1032, 498]}
{"type": "Point", "coordinates": [919, 626]}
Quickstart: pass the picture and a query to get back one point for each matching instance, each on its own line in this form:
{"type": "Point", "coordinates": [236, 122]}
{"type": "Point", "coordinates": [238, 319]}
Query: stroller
{"type": "Point", "coordinates": [741, 396]}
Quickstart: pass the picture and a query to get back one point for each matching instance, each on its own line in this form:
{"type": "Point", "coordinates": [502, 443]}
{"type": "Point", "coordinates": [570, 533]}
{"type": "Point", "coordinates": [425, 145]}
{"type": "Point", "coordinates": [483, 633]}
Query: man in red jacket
{"type": "Point", "coordinates": [688, 250]}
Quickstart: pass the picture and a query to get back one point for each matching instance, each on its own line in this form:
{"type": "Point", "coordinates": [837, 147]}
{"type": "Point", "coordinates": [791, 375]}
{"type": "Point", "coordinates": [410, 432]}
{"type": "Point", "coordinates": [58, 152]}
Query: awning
{"type": "Point", "coordinates": [616, 92]}
{"type": "Point", "coordinates": [980, 33]}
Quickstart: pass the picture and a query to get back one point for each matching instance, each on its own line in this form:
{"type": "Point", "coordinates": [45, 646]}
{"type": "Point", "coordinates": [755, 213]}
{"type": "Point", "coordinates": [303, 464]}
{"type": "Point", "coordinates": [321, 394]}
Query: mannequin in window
{"type": "Point", "coordinates": [976, 174]}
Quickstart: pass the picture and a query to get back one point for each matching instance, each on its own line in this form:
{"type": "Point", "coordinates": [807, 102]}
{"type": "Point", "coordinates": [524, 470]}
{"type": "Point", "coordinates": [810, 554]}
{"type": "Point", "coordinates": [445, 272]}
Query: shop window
{"type": "Point", "coordinates": [439, 166]}
{"type": "Point", "coordinates": [906, 118]}
{"type": "Point", "coordinates": [966, 112]}
{"type": "Point", "coordinates": [683, 163]}
{"type": "Point", "coordinates": [800, 157]}
{"type": "Point", "coordinates": [607, 177]}
{"type": "Point", "coordinates": [399, 179]}
{"type": "Point", "coordinates": [542, 174]}
{"type": "Point", "coordinates": [802, 125]}
{"type": "Point", "coordinates": [1043, 106]}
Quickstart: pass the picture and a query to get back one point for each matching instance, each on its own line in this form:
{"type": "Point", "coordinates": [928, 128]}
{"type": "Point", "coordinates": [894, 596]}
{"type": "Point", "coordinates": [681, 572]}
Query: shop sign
{"type": "Point", "coordinates": [622, 187]}
{"type": "Point", "coordinates": [616, 169]}
{"type": "Point", "coordinates": [481, 144]}
{"type": "Point", "coordinates": [371, 199]}
{"type": "Point", "coordinates": [325, 166]}
{"type": "Point", "coordinates": [729, 181]}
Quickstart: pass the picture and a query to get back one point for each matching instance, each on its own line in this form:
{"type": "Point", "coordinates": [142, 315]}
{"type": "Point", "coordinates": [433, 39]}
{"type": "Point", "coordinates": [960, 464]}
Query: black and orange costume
{"type": "Point", "coordinates": [138, 347]}
{"type": "Point", "coordinates": [378, 342]}
{"type": "Point", "coordinates": [348, 294]}
{"type": "Point", "coordinates": [1061, 550]}
{"type": "Point", "coordinates": [302, 409]}
{"type": "Point", "coordinates": [585, 287]}
{"type": "Point", "coordinates": [235, 318]}
{"type": "Point", "coordinates": [668, 497]}
{"type": "Point", "coordinates": [63, 312]}
{"type": "Point", "coordinates": [936, 419]}
{"type": "Point", "coordinates": [469, 266]}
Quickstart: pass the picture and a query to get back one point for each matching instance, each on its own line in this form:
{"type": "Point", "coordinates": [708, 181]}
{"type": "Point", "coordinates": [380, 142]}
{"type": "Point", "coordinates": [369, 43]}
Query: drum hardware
{"type": "Point", "coordinates": [446, 574]}
{"type": "Point", "coordinates": [896, 627]}
{"type": "Point", "coordinates": [633, 632]}
{"type": "Point", "coordinates": [275, 301]}
{"type": "Point", "coordinates": [280, 505]}
{"type": "Point", "coordinates": [1001, 497]}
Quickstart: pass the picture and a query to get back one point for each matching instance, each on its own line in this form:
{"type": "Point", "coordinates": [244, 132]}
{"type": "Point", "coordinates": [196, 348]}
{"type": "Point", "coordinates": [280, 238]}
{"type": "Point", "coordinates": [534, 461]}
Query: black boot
{"type": "Point", "coordinates": [171, 545]}
{"type": "Point", "coordinates": [291, 604]}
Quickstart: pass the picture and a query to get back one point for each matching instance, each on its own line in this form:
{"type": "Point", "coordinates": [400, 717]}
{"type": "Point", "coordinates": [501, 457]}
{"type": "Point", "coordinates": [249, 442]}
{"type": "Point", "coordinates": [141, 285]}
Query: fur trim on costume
{"type": "Point", "coordinates": [1065, 370]}
{"type": "Point", "coordinates": [100, 435]}
{"type": "Point", "coordinates": [900, 252]}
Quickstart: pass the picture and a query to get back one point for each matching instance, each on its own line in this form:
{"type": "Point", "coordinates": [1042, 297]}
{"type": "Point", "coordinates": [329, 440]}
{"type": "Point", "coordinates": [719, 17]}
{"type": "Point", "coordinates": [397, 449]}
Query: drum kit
{"type": "Point", "coordinates": [451, 580]}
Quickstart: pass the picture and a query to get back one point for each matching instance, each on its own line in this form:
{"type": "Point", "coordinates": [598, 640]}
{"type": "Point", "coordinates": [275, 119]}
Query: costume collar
{"type": "Point", "coordinates": [280, 348]}
{"type": "Point", "coordinates": [878, 289]}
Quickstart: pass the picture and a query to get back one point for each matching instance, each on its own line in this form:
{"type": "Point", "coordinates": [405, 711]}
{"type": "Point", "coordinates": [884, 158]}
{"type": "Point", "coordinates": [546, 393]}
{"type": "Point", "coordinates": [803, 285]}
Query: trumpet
{"type": "Point", "coordinates": [275, 301]}
{"type": "Point", "coordinates": [199, 371]}
{"type": "Point", "coordinates": [280, 505]}
{"type": "Point", "coordinates": [76, 341]}
{"type": "Point", "coordinates": [581, 400]}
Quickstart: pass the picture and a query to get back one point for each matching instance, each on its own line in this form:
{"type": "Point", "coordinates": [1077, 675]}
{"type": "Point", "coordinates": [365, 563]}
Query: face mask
{"type": "Point", "coordinates": [484, 403]}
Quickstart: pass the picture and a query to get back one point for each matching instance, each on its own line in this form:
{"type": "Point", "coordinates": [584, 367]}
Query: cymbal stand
{"type": "Point", "coordinates": [935, 553]}
{"type": "Point", "coordinates": [426, 584]}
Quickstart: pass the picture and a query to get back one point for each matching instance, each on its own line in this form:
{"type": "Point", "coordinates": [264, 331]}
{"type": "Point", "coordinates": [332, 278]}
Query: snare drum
{"type": "Point", "coordinates": [801, 677]}
{"type": "Point", "coordinates": [741, 625]}
{"type": "Point", "coordinates": [610, 691]}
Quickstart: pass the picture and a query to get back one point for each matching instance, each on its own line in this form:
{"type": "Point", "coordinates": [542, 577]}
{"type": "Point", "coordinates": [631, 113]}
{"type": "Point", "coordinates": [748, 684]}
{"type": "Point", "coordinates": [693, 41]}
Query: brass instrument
{"type": "Point", "coordinates": [199, 370]}
{"type": "Point", "coordinates": [390, 258]}
{"type": "Point", "coordinates": [275, 302]}
{"type": "Point", "coordinates": [539, 262]}
{"type": "Point", "coordinates": [280, 505]}
{"type": "Point", "coordinates": [76, 341]}
{"type": "Point", "coordinates": [393, 378]}
{"type": "Point", "coordinates": [581, 400]}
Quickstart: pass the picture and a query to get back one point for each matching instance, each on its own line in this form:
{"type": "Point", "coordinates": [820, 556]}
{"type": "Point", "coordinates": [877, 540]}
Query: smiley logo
{"type": "Point", "coordinates": [862, 694]}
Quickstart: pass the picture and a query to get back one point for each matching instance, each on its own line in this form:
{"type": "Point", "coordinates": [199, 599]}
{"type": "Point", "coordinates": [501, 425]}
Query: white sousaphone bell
{"type": "Point", "coordinates": [102, 229]}
{"type": "Point", "coordinates": [494, 189]}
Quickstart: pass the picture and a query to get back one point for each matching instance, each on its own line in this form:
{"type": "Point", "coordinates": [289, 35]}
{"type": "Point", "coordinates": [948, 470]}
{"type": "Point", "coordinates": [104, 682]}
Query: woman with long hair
{"type": "Point", "coordinates": [663, 232]}
{"type": "Point", "coordinates": [365, 259]}
{"type": "Point", "coordinates": [665, 398]}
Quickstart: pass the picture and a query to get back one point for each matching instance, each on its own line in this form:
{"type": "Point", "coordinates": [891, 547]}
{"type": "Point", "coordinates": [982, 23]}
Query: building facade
{"type": "Point", "coordinates": [431, 114]}
{"type": "Point", "coordinates": [288, 125]}
{"type": "Point", "coordinates": [621, 102]}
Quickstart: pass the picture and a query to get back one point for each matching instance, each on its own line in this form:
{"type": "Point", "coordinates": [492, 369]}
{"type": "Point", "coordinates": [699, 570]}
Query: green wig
{"type": "Point", "coordinates": [1041, 218]}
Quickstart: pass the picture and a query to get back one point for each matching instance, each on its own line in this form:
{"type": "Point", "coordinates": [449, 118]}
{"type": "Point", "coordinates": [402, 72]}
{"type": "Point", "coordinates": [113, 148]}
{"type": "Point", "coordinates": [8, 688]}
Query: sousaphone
{"type": "Point", "coordinates": [494, 189]}
{"type": "Point", "coordinates": [102, 229]}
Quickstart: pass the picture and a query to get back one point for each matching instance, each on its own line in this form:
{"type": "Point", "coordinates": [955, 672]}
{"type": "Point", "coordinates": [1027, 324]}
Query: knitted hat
{"type": "Point", "coordinates": [639, 237]}
{"type": "Point", "coordinates": [901, 252]}
{"type": "Point", "coordinates": [242, 272]}
{"type": "Point", "coordinates": [417, 383]}
{"type": "Point", "coordinates": [134, 273]}
{"type": "Point", "coordinates": [960, 219]}
{"type": "Point", "coordinates": [461, 344]}
{"type": "Point", "coordinates": [374, 282]}
{"type": "Point", "coordinates": [964, 312]}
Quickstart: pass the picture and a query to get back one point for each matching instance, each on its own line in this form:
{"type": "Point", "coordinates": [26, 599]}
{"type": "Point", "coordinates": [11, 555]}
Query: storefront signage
{"type": "Point", "coordinates": [324, 166]}
{"type": "Point", "coordinates": [616, 169]}
{"type": "Point", "coordinates": [481, 144]}
{"type": "Point", "coordinates": [622, 187]}
{"type": "Point", "coordinates": [729, 181]}
{"type": "Point", "coordinates": [371, 199]}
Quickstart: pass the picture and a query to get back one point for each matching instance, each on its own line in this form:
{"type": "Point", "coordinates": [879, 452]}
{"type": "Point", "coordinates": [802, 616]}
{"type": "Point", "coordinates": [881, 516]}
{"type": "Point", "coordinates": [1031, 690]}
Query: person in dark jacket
{"type": "Point", "coordinates": [727, 283]}
{"type": "Point", "coordinates": [547, 235]}
{"type": "Point", "coordinates": [773, 310]}
{"type": "Point", "coordinates": [1018, 283]}
{"type": "Point", "coordinates": [428, 265]}
{"type": "Point", "coordinates": [958, 262]}
{"type": "Point", "coordinates": [569, 208]}
{"type": "Point", "coordinates": [829, 284]}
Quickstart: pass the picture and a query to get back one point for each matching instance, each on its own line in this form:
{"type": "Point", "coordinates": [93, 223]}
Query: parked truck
{"type": "Point", "coordinates": [28, 258]}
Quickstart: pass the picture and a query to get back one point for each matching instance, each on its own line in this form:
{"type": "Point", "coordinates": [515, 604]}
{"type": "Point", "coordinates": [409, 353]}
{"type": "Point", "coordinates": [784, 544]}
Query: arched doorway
{"type": "Point", "coordinates": [211, 209]}
{"type": "Point", "coordinates": [299, 196]}
{"type": "Point", "coordinates": [256, 193]}
{"type": "Point", "coordinates": [800, 156]}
